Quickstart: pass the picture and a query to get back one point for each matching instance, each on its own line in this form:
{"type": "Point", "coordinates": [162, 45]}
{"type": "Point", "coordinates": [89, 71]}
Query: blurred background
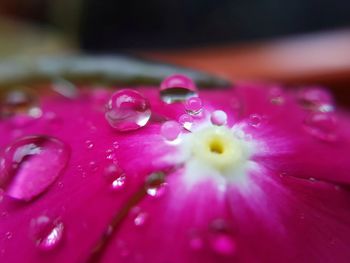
{"type": "Point", "coordinates": [293, 41]}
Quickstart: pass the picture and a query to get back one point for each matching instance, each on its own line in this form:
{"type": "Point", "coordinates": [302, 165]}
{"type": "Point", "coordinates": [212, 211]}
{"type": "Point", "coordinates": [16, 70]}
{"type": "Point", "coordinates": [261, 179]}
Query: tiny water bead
{"type": "Point", "coordinates": [255, 120]}
{"type": "Point", "coordinates": [155, 184]}
{"type": "Point", "coordinates": [140, 219]}
{"type": "Point", "coordinates": [218, 118]}
{"type": "Point", "coordinates": [276, 95]}
{"type": "Point", "coordinates": [127, 110]}
{"type": "Point", "coordinates": [186, 121]}
{"type": "Point", "coordinates": [193, 105]}
{"type": "Point", "coordinates": [322, 126]}
{"type": "Point", "coordinates": [115, 176]}
{"type": "Point", "coordinates": [170, 130]}
{"type": "Point", "coordinates": [31, 164]}
{"type": "Point", "coordinates": [46, 232]}
{"type": "Point", "coordinates": [177, 88]}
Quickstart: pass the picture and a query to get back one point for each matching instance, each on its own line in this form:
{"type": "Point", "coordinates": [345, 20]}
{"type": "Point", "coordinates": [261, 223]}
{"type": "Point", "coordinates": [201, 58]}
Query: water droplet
{"type": "Point", "coordinates": [93, 166]}
{"type": "Point", "coordinates": [127, 110]}
{"type": "Point", "coordinates": [316, 98]}
{"type": "Point", "coordinates": [115, 145]}
{"type": "Point", "coordinates": [115, 176]}
{"type": "Point", "coordinates": [255, 120]}
{"type": "Point", "coordinates": [170, 130]}
{"type": "Point", "coordinates": [193, 105]}
{"type": "Point", "coordinates": [221, 240]}
{"type": "Point", "coordinates": [155, 184]}
{"type": "Point", "coordinates": [31, 164]}
{"type": "Point", "coordinates": [47, 233]}
{"type": "Point", "coordinates": [177, 88]}
{"type": "Point", "coordinates": [186, 121]}
{"type": "Point", "coordinates": [196, 241]}
{"type": "Point", "coordinates": [8, 235]}
{"type": "Point", "coordinates": [89, 144]}
{"type": "Point", "coordinates": [322, 126]}
{"type": "Point", "coordinates": [21, 105]}
{"type": "Point", "coordinates": [65, 88]}
{"type": "Point", "coordinates": [218, 118]}
{"type": "Point", "coordinates": [140, 219]}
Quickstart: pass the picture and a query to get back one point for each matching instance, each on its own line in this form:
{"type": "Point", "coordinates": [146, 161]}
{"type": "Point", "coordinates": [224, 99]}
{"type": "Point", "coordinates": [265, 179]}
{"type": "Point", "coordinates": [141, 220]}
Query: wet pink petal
{"type": "Point", "coordinates": [294, 207]}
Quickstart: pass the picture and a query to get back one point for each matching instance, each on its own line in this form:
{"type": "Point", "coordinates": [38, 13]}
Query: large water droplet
{"type": "Point", "coordinates": [22, 105]}
{"type": "Point", "coordinates": [155, 184]}
{"type": "Point", "coordinates": [170, 130]}
{"type": "Point", "coordinates": [316, 98]}
{"type": "Point", "coordinates": [31, 164]}
{"type": "Point", "coordinates": [127, 110]}
{"type": "Point", "coordinates": [193, 105]}
{"type": "Point", "coordinates": [115, 176]}
{"type": "Point", "coordinates": [322, 126]}
{"type": "Point", "coordinates": [47, 233]}
{"type": "Point", "coordinates": [177, 88]}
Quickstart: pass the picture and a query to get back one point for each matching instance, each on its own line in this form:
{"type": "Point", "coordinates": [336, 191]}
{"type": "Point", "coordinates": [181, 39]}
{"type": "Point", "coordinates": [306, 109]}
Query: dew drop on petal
{"type": "Point", "coordinates": [155, 184]}
{"type": "Point", "coordinates": [221, 239]}
{"type": "Point", "coordinates": [316, 98]}
{"type": "Point", "coordinates": [322, 126]}
{"type": "Point", "coordinates": [255, 120]}
{"type": "Point", "coordinates": [8, 235]}
{"type": "Point", "coordinates": [115, 176]}
{"type": "Point", "coordinates": [21, 105]}
{"type": "Point", "coordinates": [218, 118]}
{"type": "Point", "coordinates": [193, 105]}
{"type": "Point", "coordinates": [177, 88]}
{"type": "Point", "coordinates": [127, 110]}
{"type": "Point", "coordinates": [186, 121]}
{"type": "Point", "coordinates": [140, 219]}
{"type": "Point", "coordinates": [31, 164]}
{"type": "Point", "coordinates": [223, 244]}
{"type": "Point", "coordinates": [276, 95]}
{"type": "Point", "coordinates": [170, 130]}
{"type": "Point", "coordinates": [89, 144]}
{"type": "Point", "coordinates": [46, 232]}
{"type": "Point", "coordinates": [65, 88]}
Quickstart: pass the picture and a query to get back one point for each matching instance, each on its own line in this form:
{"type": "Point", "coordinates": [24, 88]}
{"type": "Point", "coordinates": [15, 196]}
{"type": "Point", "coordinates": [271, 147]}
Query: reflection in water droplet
{"type": "Point", "coordinates": [155, 184]}
{"type": "Point", "coordinates": [170, 130]}
{"type": "Point", "coordinates": [255, 120]}
{"type": "Point", "coordinates": [127, 110]}
{"type": "Point", "coordinates": [31, 164]}
{"type": "Point", "coordinates": [193, 105]}
{"type": "Point", "coordinates": [177, 88]}
{"type": "Point", "coordinates": [21, 105]}
{"type": "Point", "coordinates": [115, 176]}
{"type": "Point", "coordinates": [186, 121]}
{"type": "Point", "coordinates": [47, 233]}
{"type": "Point", "coordinates": [218, 118]}
{"type": "Point", "coordinates": [322, 126]}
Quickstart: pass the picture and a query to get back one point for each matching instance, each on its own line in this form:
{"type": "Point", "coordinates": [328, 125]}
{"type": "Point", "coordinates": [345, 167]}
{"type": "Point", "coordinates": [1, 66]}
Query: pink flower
{"type": "Point", "coordinates": [253, 173]}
